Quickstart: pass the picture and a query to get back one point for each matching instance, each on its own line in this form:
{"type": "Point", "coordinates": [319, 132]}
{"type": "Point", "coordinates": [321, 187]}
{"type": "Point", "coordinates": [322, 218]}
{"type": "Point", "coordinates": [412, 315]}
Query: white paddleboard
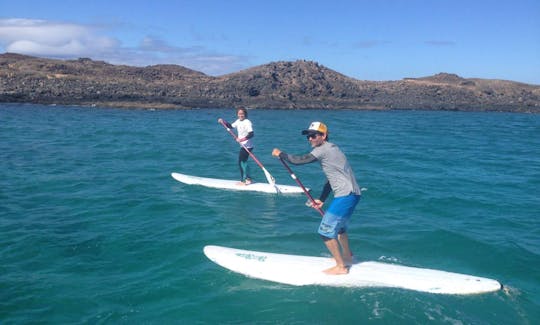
{"type": "Point", "coordinates": [305, 270]}
{"type": "Point", "coordinates": [234, 185]}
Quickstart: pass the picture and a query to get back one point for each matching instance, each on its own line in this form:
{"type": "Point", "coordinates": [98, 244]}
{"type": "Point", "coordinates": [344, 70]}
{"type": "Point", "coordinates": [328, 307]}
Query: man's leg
{"type": "Point", "coordinates": [333, 246]}
{"type": "Point", "coordinates": [345, 249]}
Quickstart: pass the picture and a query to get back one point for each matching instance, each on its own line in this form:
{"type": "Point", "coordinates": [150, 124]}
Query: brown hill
{"type": "Point", "coordinates": [278, 85]}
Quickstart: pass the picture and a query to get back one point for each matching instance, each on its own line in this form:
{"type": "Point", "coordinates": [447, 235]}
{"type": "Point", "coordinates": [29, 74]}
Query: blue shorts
{"type": "Point", "coordinates": [336, 218]}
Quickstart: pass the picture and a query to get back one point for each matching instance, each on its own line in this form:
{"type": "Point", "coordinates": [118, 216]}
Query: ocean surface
{"type": "Point", "coordinates": [94, 230]}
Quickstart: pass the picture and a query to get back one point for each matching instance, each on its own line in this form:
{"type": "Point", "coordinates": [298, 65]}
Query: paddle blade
{"type": "Point", "coordinates": [269, 177]}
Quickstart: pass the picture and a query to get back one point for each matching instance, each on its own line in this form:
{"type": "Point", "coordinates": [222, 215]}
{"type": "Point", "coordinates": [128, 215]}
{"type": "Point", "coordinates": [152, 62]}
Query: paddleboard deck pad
{"type": "Point", "coordinates": [305, 270]}
{"type": "Point", "coordinates": [234, 185]}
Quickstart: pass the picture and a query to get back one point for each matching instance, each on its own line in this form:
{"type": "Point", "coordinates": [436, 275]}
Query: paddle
{"type": "Point", "coordinates": [269, 177]}
{"type": "Point", "coordinates": [293, 176]}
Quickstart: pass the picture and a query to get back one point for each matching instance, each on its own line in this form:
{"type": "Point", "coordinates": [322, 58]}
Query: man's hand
{"type": "Point", "coordinates": [317, 205]}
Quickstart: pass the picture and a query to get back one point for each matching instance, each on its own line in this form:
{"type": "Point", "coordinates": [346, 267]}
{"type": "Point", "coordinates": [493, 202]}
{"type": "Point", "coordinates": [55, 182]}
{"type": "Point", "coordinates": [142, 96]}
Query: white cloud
{"type": "Point", "coordinates": [68, 40]}
{"type": "Point", "coordinates": [73, 47]}
{"type": "Point", "coordinates": [40, 37]}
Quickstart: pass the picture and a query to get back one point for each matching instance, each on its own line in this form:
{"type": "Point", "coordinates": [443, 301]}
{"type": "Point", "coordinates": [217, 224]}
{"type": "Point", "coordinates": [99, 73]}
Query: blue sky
{"type": "Point", "coordinates": [366, 40]}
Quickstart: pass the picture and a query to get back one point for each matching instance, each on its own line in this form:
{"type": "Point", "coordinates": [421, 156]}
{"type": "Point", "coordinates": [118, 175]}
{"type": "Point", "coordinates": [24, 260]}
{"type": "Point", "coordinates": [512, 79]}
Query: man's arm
{"type": "Point", "coordinates": [325, 192]}
{"type": "Point", "coordinates": [298, 160]}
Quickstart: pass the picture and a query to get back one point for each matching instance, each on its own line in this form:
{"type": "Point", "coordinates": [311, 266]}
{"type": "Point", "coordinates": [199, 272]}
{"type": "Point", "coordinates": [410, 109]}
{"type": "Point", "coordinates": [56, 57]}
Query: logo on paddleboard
{"type": "Point", "coordinates": [260, 258]}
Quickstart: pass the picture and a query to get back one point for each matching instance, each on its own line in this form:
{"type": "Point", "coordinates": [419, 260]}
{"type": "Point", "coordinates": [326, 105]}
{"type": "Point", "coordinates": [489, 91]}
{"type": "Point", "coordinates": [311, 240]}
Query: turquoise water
{"type": "Point", "coordinates": [94, 229]}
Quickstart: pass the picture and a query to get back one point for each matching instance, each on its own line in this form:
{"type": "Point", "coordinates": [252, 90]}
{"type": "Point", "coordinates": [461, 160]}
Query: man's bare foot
{"type": "Point", "coordinates": [337, 270]}
{"type": "Point", "coordinates": [241, 183]}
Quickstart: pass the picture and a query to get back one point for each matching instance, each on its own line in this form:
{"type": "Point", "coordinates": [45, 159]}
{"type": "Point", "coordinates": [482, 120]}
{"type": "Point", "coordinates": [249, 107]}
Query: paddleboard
{"type": "Point", "coordinates": [234, 185]}
{"type": "Point", "coordinates": [306, 270]}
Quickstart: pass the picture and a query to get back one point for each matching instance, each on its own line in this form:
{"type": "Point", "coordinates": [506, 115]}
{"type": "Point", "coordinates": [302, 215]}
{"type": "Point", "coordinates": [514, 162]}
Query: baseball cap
{"type": "Point", "coordinates": [315, 127]}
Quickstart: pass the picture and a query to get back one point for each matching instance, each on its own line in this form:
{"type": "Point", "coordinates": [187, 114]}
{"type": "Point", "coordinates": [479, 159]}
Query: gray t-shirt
{"type": "Point", "coordinates": [337, 169]}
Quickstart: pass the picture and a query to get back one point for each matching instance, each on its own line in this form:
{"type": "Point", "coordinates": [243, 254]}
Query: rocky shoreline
{"type": "Point", "coordinates": [277, 85]}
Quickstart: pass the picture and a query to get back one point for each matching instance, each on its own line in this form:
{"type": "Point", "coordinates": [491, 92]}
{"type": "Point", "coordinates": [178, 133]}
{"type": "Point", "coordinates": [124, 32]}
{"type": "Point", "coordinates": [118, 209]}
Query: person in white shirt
{"type": "Point", "coordinates": [244, 129]}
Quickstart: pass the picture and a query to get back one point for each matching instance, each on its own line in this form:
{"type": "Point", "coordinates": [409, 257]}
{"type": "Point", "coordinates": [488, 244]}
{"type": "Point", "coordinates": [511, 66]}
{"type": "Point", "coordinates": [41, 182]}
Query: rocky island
{"type": "Point", "coordinates": [277, 85]}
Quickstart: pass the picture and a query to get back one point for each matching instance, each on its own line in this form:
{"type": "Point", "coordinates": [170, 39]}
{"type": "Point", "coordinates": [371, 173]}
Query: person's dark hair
{"type": "Point", "coordinates": [243, 109]}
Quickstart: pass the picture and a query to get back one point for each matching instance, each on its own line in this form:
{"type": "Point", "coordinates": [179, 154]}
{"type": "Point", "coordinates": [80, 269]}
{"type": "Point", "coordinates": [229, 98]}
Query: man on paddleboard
{"type": "Point", "coordinates": [340, 180]}
{"type": "Point", "coordinates": [245, 132]}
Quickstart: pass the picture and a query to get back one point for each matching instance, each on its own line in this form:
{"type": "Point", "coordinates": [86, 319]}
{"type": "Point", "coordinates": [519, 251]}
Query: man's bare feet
{"type": "Point", "coordinates": [337, 270]}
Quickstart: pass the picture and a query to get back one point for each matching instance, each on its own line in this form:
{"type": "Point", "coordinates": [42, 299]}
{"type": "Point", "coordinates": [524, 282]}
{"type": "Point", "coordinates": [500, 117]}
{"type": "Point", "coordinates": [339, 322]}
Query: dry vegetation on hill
{"type": "Point", "coordinates": [278, 85]}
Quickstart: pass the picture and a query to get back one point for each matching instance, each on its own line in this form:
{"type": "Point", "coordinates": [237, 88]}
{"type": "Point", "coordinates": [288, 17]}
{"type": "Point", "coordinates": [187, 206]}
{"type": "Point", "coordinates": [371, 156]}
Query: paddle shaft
{"type": "Point", "coordinates": [293, 176]}
{"type": "Point", "coordinates": [269, 177]}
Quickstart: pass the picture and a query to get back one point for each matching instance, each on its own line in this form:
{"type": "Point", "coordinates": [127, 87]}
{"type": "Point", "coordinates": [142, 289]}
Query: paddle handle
{"type": "Point", "coordinates": [293, 176]}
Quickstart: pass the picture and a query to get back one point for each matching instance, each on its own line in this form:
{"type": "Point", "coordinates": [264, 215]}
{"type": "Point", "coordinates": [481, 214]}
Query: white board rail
{"type": "Point", "coordinates": [306, 270]}
{"type": "Point", "coordinates": [226, 184]}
